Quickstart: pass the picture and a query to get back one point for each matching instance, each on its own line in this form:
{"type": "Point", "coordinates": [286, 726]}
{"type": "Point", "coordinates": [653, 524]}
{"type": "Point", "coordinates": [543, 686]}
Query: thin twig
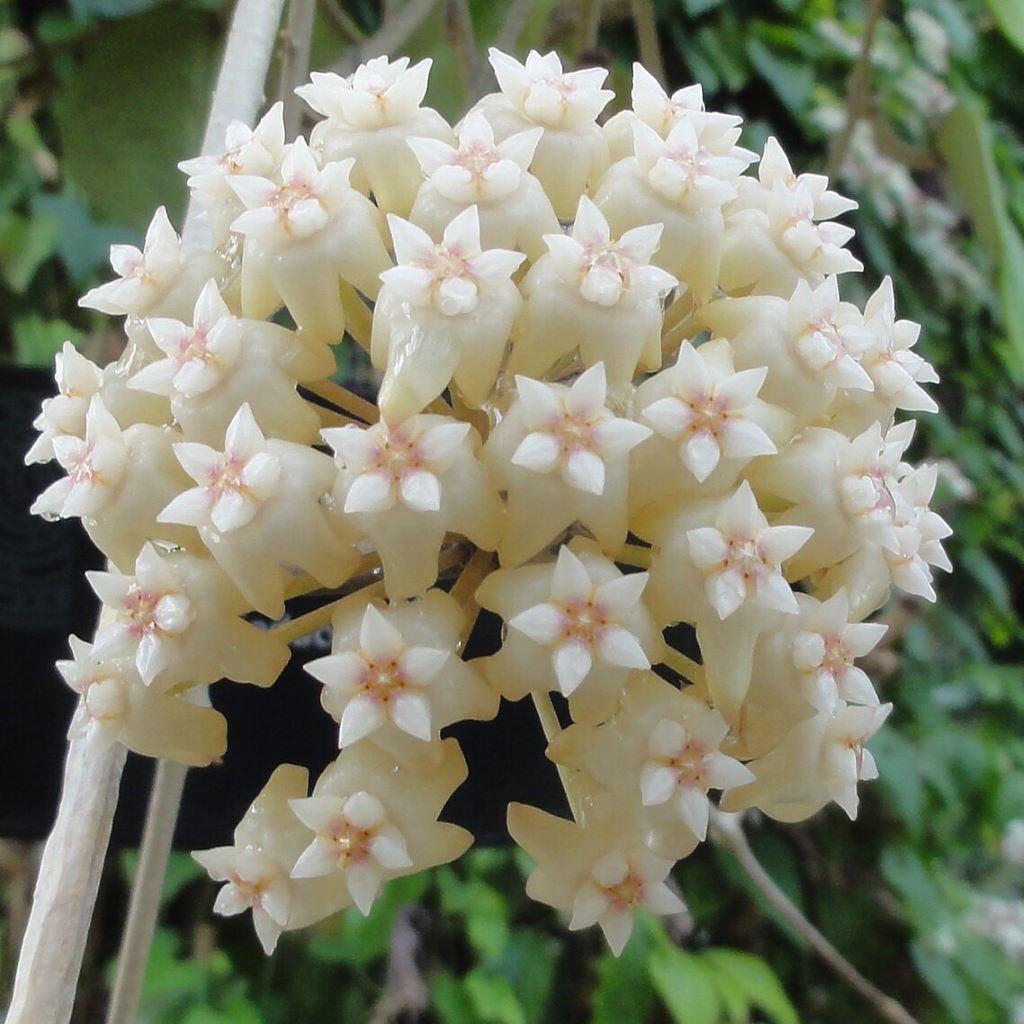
{"type": "Point", "coordinates": [686, 667]}
{"type": "Point", "coordinates": [647, 38]}
{"type": "Point", "coordinates": [358, 318]}
{"type": "Point", "coordinates": [463, 42]}
{"type": "Point", "coordinates": [161, 817]}
{"type": "Point", "coordinates": [343, 21]}
{"type": "Point", "coordinates": [858, 90]}
{"type": "Point", "coordinates": [65, 895]}
{"type": "Point", "coordinates": [727, 830]}
{"type": "Point", "coordinates": [552, 727]}
{"type": "Point", "coordinates": [391, 36]}
{"type": "Point", "coordinates": [65, 892]}
{"type": "Point", "coordinates": [589, 25]}
{"type": "Point", "coordinates": [636, 555]}
{"type": "Point", "coordinates": [344, 400]}
{"type": "Point", "coordinates": [507, 40]}
{"type": "Point", "coordinates": [297, 39]}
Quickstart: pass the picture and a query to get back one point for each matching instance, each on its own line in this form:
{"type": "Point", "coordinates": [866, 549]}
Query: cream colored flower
{"type": "Point", "coordinates": [374, 819]}
{"type": "Point", "coordinates": [444, 314]}
{"type": "Point", "coordinates": [397, 671]}
{"type": "Point", "coordinates": [256, 869]}
{"type": "Point", "coordinates": [600, 872]}
{"type": "Point", "coordinates": [116, 706]}
{"type": "Point", "coordinates": [304, 229]}
{"type": "Point", "coordinates": [370, 116]}
{"type": "Point", "coordinates": [562, 455]}
{"type": "Point", "coordinates": [514, 209]}
{"type": "Point", "coordinates": [405, 486]}
{"type": "Point", "coordinates": [595, 294]}
{"type": "Point", "coordinates": [572, 152]}
{"type": "Point", "coordinates": [260, 509]}
{"type": "Point", "coordinates": [178, 619]}
{"type": "Point", "coordinates": [577, 625]}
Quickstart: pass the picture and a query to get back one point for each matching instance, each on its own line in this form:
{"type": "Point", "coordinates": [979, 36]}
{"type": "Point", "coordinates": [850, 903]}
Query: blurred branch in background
{"type": "Point", "coordinates": [296, 42]}
{"type": "Point", "coordinates": [393, 33]}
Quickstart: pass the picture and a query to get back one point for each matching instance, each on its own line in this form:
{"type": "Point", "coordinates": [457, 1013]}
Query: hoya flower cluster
{"type": "Point", "coordinates": [621, 400]}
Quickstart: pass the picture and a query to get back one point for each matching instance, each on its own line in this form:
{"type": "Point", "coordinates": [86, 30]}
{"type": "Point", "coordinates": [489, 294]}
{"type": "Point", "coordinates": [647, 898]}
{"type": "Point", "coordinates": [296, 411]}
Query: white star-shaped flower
{"type": "Point", "coordinates": [116, 706]}
{"type": "Point", "coordinates": [741, 555]}
{"type": "Point", "coordinates": [682, 171]}
{"type": "Point", "coordinates": [102, 687]}
{"type": "Point", "coordinates": [94, 464]}
{"type": "Point", "coordinates": [845, 760]}
{"type": "Point", "coordinates": [143, 275]}
{"type": "Point", "coordinates": [197, 357]}
{"type": "Point", "coordinates": [825, 648]}
{"type": "Point", "coordinates": [547, 95]}
{"type": "Point", "coordinates": [604, 271]}
{"type": "Point", "coordinates": [233, 484]}
{"type": "Point", "coordinates": [661, 111]}
{"type": "Point", "coordinates": [378, 94]}
{"type": "Point", "coordinates": [708, 414]}
{"type": "Point", "coordinates": [828, 336]}
{"type": "Point", "coordinates": [868, 470]}
{"type": "Point", "coordinates": [582, 621]}
{"type": "Point", "coordinates": [255, 880]}
{"type": "Point", "coordinates": [250, 151]}
{"type": "Point", "coordinates": [298, 206]}
{"type": "Point", "coordinates": [396, 465]}
{"type": "Point", "coordinates": [151, 606]}
{"type": "Point", "coordinates": [477, 170]}
{"type": "Point", "coordinates": [888, 359]}
{"type": "Point", "coordinates": [354, 836]}
{"type": "Point", "coordinates": [384, 679]}
{"type": "Point", "coordinates": [571, 431]}
{"type": "Point", "coordinates": [452, 275]}
{"type": "Point", "coordinates": [616, 887]}
{"type": "Point", "coordinates": [78, 379]}
{"type": "Point", "coordinates": [684, 762]}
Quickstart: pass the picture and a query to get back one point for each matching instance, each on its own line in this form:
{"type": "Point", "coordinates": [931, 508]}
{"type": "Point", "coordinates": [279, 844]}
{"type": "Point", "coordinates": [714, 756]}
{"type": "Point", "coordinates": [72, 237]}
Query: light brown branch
{"type": "Point", "coordinates": [391, 36]}
{"type": "Point", "coordinates": [552, 727]}
{"type": "Point", "coordinates": [344, 400]}
{"type": "Point", "coordinates": [161, 818]}
{"type": "Point", "coordinates": [343, 21]}
{"type": "Point", "coordinates": [858, 90]}
{"type": "Point", "coordinates": [727, 830]}
{"type": "Point", "coordinates": [647, 38]}
{"type": "Point", "coordinates": [297, 39]}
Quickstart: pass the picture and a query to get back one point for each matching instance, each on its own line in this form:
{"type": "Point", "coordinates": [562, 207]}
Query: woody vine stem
{"type": "Point", "coordinates": [69, 873]}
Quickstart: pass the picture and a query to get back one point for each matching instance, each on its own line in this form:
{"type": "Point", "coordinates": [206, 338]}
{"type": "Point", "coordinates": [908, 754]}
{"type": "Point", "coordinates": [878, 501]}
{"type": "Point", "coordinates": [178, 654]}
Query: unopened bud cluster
{"type": "Point", "coordinates": [617, 380]}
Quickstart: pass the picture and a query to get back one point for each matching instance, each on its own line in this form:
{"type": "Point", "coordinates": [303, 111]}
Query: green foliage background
{"type": "Point", "coordinates": [98, 101]}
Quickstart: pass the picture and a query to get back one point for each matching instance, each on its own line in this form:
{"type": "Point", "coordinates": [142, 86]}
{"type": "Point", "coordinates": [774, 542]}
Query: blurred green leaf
{"type": "Point", "coordinates": [528, 963]}
{"type": "Point", "coordinates": [25, 244]}
{"type": "Point", "coordinates": [686, 986]}
{"type": "Point", "coordinates": [755, 980]}
{"type": "Point", "coordinates": [1009, 15]}
{"type": "Point", "coordinates": [111, 8]}
{"type": "Point", "coordinates": [124, 156]}
{"type": "Point", "coordinates": [450, 1000]}
{"type": "Point", "coordinates": [492, 998]}
{"type": "Point", "coordinates": [83, 244]}
{"type": "Point", "coordinates": [941, 976]}
{"type": "Point", "coordinates": [965, 141]}
{"type": "Point", "coordinates": [623, 990]}
{"type": "Point", "coordinates": [792, 81]}
{"type": "Point", "coordinates": [37, 340]}
{"type": "Point", "coordinates": [361, 940]}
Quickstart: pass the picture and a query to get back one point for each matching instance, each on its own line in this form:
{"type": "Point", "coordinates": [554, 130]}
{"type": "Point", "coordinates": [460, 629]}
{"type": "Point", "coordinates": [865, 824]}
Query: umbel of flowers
{"type": "Point", "coordinates": [619, 392]}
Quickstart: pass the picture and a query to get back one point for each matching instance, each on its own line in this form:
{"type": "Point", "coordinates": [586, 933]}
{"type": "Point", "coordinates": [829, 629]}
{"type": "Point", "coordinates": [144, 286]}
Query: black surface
{"type": "Point", "coordinates": [43, 597]}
